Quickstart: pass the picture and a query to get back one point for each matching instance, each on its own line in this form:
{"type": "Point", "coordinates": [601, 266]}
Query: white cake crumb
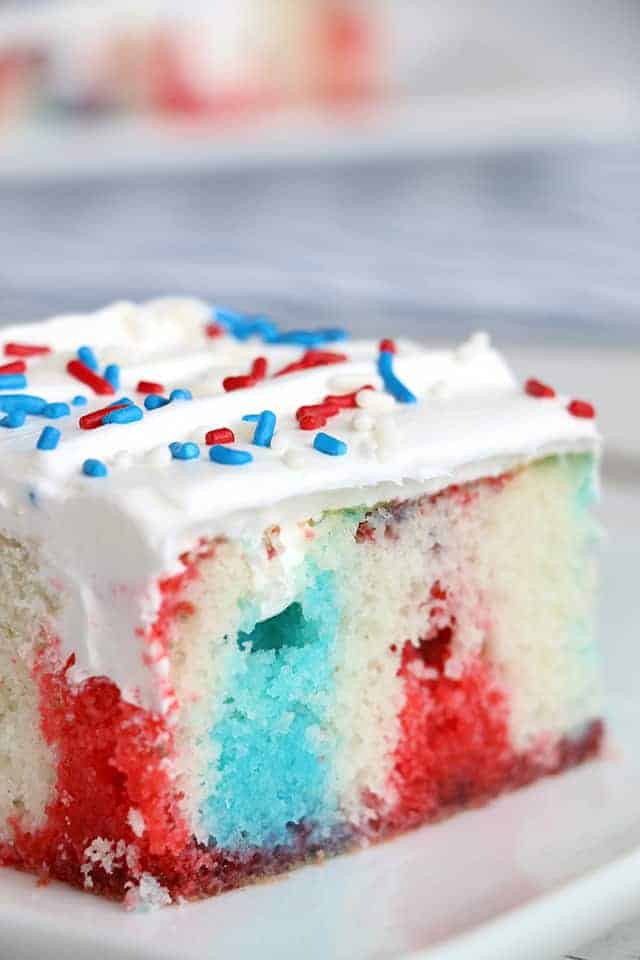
{"type": "Point", "coordinates": [148, 895]}
{"type": "Point", "coordinates": [362, 421]}
{"type": "Point", "coordinates": [136, 821]}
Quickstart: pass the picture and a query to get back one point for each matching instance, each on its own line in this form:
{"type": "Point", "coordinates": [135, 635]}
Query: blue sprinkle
{"type": "Point", "coordinates": [12, 381]}
{"type": "Point", "coordinates": [310, 338]}
{"type": "Point", "coordinates": [94, 468]}
{"type": "Point", "coordinates": [265, 427]}
{"type": "Point", "coordinates": [392, 385]}
{"type": "Point", "coordinates": [55, 410]}
{"type": "Point", "coordinates": [184, 451]}
{"type": "Point", "coordinates": [122, 400]}
{"type": "Point", "coordinates": [112, 375]}
{"type": "Point", "coordinates": [127, 414]}
{"type": "Point", "coordinates": [15, 418]}
{"type": "Point", "coordinates": [79, 401]}
{"type": "Point", "coordinates": [227, 455]}
{"type": "Point", "coordinates": [22, 401]}
{"type": "Point", "coordinates": [88, 357]}
{"type": "Point", "coordinates": [154, 400]}
{"type": "Point", "coordinates": [251, 417]}
{"type": "Point", "coordinates": [325, 443]}
{"type": "Point", "coordinates": [48, 439]}
{"type": "Point", "coordinates": [180, 394]}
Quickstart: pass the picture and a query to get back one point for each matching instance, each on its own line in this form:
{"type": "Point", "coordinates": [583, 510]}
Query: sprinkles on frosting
{"type": "Point", "coordinates": [265, 428]}
{"type": "Point", "coordinates": [86, 375]}
{"type": "Point", "coordinates": [229, 456]}
{"type": "Point", "coordinates": [84, 367]}
{"type": "Point", "coordinates": [184, 451]}
{"type": "Point", "coordinates": [325, 443]}
{"type": "Point", "coordinates": [219, 435]}
{"type": "Point", "coordinates": [94, 468]}
{"type": "Point", "coordinates": [25, 350]}
{"type": "Point", "coordinates": [392, 384]}
{"type": "Point", "coordinates": [16, 366]}
{"type": "Point", "coordinates": [12, 381]}
{"type": "Point", "coordinates": [48, 439]}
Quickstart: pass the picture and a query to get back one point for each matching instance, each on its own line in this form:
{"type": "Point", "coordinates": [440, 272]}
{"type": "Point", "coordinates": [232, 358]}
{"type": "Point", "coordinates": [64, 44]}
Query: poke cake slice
{"type": "Point", "coordinates": [269, 596]}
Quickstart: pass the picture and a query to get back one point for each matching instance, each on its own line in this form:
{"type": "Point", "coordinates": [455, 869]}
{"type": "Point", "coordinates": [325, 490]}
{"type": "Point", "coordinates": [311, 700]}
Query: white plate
{"type": "Point", "coordinates": [529, 876]}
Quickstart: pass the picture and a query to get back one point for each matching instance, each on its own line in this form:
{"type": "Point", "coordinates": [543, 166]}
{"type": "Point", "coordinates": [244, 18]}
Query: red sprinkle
{"type": "Point", "coordinates": [312, 358]}
{"type": "Point", "coordinates": [219, 435]}
{"type": "Point", "coordinates": [25, 350]}
{"type": "Point", "coordinates": [580, 408]}
{"type": "Point", "coordinates": [346, 400]}
{"type": "Point", "coordinates": [94, 419]}
{"type": "Point", "coordinates": [237, 383]}
{"type": "Point", "coordinates": [85, 375]}
{"type": "Point", "coordinates": [18, 366]}
{"type": "Point", "coordinates": [258, 372]}
{"type": "Point", "coordinates": [536, 388]}
{"type": "Point", "coordinates": [214, 330]}
{"type": "Point", "coordinates": [387, 346]}
{"type": "Point", "coordinates": [317, 410]}
{"type": "Point", "coordinates": [149, 386]}
{"type": "Point", "coordinates": [259, 368]}
{"type": "Point", "coordinates": [311, 421]}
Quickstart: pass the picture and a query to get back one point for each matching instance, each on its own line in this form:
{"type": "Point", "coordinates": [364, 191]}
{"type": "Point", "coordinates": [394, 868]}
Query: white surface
{"type": "Point", "coordinates": [528, 877]}
{"type": "Point", "coordinates": [424, 125]}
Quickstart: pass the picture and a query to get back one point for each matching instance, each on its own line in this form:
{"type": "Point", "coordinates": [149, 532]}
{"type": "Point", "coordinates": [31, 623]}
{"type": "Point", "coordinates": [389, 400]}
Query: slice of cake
{"type": "Point", "coordinates": [267, 596]}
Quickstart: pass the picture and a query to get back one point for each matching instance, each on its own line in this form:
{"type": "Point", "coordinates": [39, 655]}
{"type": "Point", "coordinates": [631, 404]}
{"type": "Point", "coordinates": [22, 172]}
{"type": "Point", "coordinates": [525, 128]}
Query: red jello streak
{"type": "Point", "coordinates": [219, 435]}
{"type": "Point", "coordinates": [85, 375]}
{"type": "Point", "coordinates": [258, 372]}
{"type": "Point", "coordinates": [25, 350]}
{"type": "Point", "coordinates": [312, 358]}
{"type": "Point", "coordinates": [580, 408]}
{"type": "Point", "coordinates": [149, 386]}
{"type": "Point", "coordinates": [94, 419]}
{"type": "Point", "coordinates": [18, 366]}
{"type": "Point", "coordinates": [536, 388]}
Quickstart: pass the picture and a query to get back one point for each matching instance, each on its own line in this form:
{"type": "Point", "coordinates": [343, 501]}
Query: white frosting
{"type": "Point", "coordinates": [108, 539]}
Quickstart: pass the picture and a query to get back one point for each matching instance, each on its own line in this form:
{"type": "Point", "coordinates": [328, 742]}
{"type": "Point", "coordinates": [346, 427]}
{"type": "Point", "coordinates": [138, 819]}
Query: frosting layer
{"type": "Point", "coordinates": [106, 539]}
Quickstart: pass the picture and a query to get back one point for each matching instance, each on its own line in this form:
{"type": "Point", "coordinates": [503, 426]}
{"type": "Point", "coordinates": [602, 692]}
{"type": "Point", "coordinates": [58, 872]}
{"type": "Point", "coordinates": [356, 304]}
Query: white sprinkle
{"type": "Point", "coordinates": [279, 443]}
{"type": "Point", "coordinates": [158, 456]}
{"type": "Point", "coordinates": [471, 348]}
{"type": "Point", "coordinates": [362, 421]}
{"type": "Point", "coordinates": [374, 401]}
{"type": "Point", "coordinates": [295, 459]}
{"type": "Point", "coordinates": [387, 437]}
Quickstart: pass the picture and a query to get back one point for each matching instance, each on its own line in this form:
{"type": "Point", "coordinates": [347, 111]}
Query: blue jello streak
{"type": "Point", "coordinates": [279, 690]}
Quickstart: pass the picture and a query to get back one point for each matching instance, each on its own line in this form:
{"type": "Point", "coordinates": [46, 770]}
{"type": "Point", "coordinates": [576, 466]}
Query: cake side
{"type": "Point", "coordinates": [360, 673]}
